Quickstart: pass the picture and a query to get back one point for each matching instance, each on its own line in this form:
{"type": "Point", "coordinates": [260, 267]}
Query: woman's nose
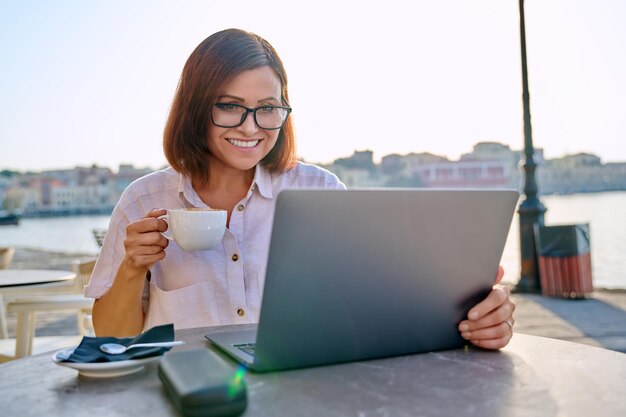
{"type": "Point", "coordinates": [249, 125]}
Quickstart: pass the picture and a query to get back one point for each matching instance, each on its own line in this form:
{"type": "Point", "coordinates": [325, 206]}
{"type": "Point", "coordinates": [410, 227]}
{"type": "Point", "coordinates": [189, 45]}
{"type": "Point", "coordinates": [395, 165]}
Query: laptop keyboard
{"type": "Point", "coordinates": [247, 347]}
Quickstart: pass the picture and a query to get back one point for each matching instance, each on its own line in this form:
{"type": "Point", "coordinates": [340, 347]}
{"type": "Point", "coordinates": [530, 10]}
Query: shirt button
{"type": "Point", "coordinates": [240, 312]}
{"type": "Point", "coordinates": [235, 257]}
{"type": "Point", "coordinates": [240, 207]}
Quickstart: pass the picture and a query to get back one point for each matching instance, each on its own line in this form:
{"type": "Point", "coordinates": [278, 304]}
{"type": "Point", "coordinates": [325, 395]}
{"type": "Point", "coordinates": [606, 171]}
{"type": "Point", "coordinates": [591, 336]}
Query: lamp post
{"type": "Point", "coordinates": [531, 211]}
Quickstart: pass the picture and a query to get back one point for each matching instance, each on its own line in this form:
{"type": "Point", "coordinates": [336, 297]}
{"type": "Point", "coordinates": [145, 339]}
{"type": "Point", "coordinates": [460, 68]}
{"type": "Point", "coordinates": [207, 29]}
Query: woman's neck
{"type": "Point", "coordinates": [226, 186]}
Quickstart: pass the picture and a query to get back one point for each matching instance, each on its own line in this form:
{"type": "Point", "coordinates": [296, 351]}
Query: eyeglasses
{"type": "Point", "coordinates": [265, 117]}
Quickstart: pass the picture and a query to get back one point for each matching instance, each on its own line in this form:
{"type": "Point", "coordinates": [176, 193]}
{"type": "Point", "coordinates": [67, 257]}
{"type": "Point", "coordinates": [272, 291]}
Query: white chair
{"type": "Point", "coordinates": [83, 270]}
{"type": "Point", "coordinates": [27, 308]}
{"type": "Point", "coordinates": [6, 256]}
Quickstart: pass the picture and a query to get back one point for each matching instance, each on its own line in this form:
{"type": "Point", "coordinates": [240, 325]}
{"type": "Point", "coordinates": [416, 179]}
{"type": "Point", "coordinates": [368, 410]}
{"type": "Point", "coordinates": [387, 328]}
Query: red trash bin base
{"type": "Point", "coordinates": [567, 277]}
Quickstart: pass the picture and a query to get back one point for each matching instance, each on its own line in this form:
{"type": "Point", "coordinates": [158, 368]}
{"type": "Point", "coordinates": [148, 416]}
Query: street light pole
{"type": "Point", "coordinates": [531, 211]}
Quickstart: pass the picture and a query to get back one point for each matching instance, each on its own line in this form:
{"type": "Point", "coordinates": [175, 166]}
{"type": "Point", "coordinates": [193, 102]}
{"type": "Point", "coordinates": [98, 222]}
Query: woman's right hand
{"type": "Point", "coordinates": [119, 312]}
{"type": "Point", "coordinates": [144, 243]}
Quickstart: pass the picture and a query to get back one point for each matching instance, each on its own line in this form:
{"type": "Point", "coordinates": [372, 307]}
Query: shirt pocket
{"type": "Point", "coordinates": [191, 306]}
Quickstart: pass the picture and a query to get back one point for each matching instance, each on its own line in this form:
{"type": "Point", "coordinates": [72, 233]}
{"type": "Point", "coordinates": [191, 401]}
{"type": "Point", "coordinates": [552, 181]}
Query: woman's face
{"type": "Point", "coordinates": [244, 146]}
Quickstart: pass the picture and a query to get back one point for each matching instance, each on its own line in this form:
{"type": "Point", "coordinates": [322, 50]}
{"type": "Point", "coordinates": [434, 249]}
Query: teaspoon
{"type": "Point", "coordinates": [116, 349]}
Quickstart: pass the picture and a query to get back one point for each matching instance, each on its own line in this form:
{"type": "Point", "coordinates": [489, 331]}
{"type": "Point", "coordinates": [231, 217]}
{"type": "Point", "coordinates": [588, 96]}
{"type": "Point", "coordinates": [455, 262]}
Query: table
{"type": "Point", "coordinates": [533, 376]}
{"type": "Point", "coordinates": [16, 282]}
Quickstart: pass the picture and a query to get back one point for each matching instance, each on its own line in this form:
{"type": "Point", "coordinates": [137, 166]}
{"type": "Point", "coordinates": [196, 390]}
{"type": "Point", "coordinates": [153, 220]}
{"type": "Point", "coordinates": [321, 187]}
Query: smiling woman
{"type": "Point", "coordinates": [239, 141]}
{"type": "Point", "coordinates": [223, 70]}
{"type": "Point", "coordinates": [230, 142]}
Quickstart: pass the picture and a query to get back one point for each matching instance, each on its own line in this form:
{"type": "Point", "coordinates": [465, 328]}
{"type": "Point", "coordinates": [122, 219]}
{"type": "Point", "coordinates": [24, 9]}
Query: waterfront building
{"type": "Point", "coordinates": [5, 184]}
{"type": "Point", "coordinates": [68, 191]}
{"type": "Point", "coordinates": [489, 165]}
{"type": "Point", "coordinates": [465, 174]}
{"type": "Point", "coordinates": [358, 170]}
{"type": "Point", "coordinates": [581, 173]}
{"type": "Point", "coordinates": [357, 177]}
{"type": "Point", "coordinates": [22, 198]}
{"type": "Point", "coordinates": [80, 197]}
{"type": "Point", "coordinates": [407, 165]}
{"type": "Point", "coordinates": [125, 175]}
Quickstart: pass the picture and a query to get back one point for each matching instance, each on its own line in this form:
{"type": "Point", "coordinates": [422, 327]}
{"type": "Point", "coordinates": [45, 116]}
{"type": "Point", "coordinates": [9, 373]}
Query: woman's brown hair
{"type": "Point", "coordinates": [213, 63]}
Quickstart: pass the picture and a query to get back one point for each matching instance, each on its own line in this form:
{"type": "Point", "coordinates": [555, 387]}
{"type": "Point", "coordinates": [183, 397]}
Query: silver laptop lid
{"type": "Point", "coordinates": [370, 273]}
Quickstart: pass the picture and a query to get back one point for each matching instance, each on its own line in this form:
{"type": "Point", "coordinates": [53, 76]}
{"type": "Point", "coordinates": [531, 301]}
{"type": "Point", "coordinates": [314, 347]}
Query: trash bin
{"type": "Point", "coordinates": [564, 256]}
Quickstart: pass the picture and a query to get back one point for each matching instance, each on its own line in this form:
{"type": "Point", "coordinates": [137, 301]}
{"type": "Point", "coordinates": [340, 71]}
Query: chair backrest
{"type": "Point", "coordinates": [99, 234]}
{"type": "Point", "coordinates": [6, 255]}
{"type": "Point", "coordinates": [83, 270]}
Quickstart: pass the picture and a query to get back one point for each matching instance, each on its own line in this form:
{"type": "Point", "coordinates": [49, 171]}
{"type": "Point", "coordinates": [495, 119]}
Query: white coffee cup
{"type": "Point", "coordinates": [195, 228]}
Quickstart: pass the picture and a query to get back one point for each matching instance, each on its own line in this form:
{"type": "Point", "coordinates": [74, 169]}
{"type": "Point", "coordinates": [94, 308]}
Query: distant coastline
{"type": "Point", "coordinates": [68, 211]}
{"type": "Point", "coordinates": [95, 190]}
{"type": "Point", "coordinates": [108, 209]}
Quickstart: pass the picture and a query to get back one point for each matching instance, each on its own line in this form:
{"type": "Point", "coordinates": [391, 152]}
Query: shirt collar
{"type": "Point", "coordinates": [262, 181]}
{"type": "Point", "coordinates": [187, 194]}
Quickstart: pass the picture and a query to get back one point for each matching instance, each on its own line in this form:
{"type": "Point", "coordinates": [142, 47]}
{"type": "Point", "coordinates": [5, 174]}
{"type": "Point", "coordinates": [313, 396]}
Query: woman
{"type": "Point", "coordinates": [230, 143]}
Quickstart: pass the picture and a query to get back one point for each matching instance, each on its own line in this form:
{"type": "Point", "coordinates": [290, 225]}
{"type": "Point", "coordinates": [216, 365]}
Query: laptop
{"type": "Point", "coordinates": [371, 273]}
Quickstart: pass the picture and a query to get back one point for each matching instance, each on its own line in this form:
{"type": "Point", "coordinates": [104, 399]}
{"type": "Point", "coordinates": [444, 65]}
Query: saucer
{"type": "Point", "coordinates": [102, 369]}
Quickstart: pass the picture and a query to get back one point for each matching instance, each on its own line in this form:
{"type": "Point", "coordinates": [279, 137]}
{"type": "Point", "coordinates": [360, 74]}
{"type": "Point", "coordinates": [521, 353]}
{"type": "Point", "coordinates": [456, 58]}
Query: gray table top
{"type": "Point", "coordinates": [533, 376]}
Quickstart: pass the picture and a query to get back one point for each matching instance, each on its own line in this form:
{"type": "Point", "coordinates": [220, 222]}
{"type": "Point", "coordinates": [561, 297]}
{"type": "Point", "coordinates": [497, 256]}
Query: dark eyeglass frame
{"type": "Point", "coordinates": [253, 111]}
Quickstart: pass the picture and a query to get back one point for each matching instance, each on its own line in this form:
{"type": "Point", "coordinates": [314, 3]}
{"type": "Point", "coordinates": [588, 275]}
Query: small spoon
{"type": "Point", "coordinates": [116, 349]}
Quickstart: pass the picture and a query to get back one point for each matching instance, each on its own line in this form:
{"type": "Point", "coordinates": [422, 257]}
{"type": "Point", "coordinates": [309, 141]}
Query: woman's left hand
{"type": "Point", "coordinates": [490, 322]}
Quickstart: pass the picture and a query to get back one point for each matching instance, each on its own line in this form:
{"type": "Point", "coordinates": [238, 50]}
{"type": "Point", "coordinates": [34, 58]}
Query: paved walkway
{"type": "Point", "coordinates": [599, 320]}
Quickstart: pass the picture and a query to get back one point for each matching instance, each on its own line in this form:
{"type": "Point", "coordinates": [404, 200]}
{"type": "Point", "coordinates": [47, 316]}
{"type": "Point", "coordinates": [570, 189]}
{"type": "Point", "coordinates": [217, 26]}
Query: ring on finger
{"type": "Point", "coordinates": [508, 323]}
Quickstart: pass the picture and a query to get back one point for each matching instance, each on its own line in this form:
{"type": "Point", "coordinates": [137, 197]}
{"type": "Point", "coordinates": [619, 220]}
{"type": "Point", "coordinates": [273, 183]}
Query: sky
{"type": "Point", "coordinates": [91, 82]}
